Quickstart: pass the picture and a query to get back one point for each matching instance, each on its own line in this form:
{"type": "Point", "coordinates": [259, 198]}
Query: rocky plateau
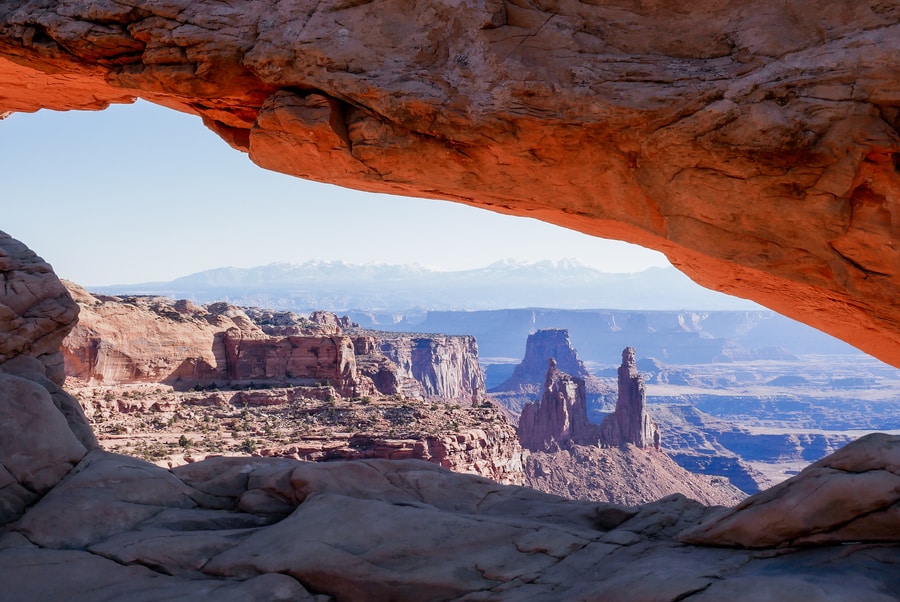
{"type": "Point", "coordinates": [303, 409]}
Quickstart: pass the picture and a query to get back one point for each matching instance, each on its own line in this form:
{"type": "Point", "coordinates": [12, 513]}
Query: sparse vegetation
{"type": "Point", "coordinates": [313, 428]}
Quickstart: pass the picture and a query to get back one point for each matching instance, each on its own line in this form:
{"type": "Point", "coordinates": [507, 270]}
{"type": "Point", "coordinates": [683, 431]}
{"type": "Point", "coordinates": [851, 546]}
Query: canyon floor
{"type": "Point", "coordinates": [171, 428]}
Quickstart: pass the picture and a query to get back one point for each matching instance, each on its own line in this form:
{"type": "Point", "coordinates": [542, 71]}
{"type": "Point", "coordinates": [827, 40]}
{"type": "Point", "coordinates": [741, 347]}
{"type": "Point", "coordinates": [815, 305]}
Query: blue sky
{"type": "Point", "coordinates": [140, 193]}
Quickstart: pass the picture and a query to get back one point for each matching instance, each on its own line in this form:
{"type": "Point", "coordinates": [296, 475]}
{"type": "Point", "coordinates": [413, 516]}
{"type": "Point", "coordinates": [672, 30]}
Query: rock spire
{"type": "Point", "coordinates": [630, 423]}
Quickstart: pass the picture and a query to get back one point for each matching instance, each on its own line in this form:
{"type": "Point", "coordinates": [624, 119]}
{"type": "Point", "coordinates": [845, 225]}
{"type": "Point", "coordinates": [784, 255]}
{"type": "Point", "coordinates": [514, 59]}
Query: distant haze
{"type": "Point", "coordinates": [141, 193]}
{"type": "Point", "coordinates": [339, 286]}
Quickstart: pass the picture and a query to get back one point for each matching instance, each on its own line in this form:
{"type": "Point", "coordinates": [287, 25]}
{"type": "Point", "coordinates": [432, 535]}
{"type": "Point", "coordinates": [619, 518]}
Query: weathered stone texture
{"type": "Point", "coordinates": [630, 422]}
{"type": "Point", "coordinates": [445, 366]}
{"type": "Point", "coordinates": [756, 144]}
{"type": "Point", "coordinates": [560, 417]}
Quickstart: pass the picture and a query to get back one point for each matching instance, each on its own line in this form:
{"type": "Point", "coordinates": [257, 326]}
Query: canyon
{"type": "Point", "coordinates": [137, 339]}
{"type": "Point", "coordinates": [80, 523]}
{"type": "Point", "coordinates": [756, 145]}
{"type": "Point", "coordinates": [174, 383]}
{"type": "Point", "coordinates": [618, 460]}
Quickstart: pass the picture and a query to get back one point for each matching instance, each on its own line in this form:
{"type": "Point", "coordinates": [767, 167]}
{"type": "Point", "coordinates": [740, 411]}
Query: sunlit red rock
{"type": "Point", "coordinates": [755, 144]}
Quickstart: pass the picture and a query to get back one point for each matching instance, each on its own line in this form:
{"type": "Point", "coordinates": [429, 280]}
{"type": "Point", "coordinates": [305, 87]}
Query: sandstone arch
{"type": "Point", "coordinates": [756, 145]}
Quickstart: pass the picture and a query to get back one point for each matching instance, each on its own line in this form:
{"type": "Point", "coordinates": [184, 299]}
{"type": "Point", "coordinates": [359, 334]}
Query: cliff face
{"type": "Point", "coordinates": [541, 346]}
{"type": "Point", "coordinates": [149, 340]}
{"type": "Point", "coordinates": [156, 340]}
{"type": "Point", "coordinates": [445, 366]}
{"type": "Point", "coordinates": [755, 144]}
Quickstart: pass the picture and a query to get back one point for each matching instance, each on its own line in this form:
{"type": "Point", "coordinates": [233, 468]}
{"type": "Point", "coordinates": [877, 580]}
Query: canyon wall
{"type": "Point", "coordinates": [755, 144]}
{"type": "Point", "coordinates": [445, 366]}
{"type": "Point", "coordinates": [136, 339]}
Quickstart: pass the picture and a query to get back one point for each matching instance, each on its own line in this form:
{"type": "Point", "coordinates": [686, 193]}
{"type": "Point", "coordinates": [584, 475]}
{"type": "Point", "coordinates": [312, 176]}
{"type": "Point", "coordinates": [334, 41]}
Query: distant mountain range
{"type": "Point", "coordinates": [341, 287]}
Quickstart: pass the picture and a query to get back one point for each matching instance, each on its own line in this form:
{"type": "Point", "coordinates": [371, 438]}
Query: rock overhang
{"type": "Point", "coordinates": [758, 150]}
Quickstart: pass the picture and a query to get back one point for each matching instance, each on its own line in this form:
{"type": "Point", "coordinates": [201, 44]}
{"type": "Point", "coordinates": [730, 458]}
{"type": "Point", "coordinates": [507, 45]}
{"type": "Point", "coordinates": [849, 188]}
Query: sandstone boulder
{"type": "Point", "coordinates": [45, 433]}
{"type": "Point", "coordinates": [853, 495]}
{"type": "Point", "coordinates": [36, 311]}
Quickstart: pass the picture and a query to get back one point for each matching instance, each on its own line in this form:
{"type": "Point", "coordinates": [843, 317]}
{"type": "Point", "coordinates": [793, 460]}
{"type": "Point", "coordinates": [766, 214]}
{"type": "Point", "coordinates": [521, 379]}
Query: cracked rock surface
{"type": "Point", "coordinates": [80, 524]}
{"type": "Point", "coordinates": [756, 144]}
{"type": "Point", "coordinates": [118, 528]}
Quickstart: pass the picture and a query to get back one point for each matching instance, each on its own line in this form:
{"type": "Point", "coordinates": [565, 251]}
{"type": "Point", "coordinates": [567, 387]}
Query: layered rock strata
{"type": "Point", "coordinates": [446, 366]}
{"type": "Point", "coordinates": [630, 422]}
{"type": "Point", "coordinates": [756, 144]}
{"type": "Point", "coordinates": [184, 345]}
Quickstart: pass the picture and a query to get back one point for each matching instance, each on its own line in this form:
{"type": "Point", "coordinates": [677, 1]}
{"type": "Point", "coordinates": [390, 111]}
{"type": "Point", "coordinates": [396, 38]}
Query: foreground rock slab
{"type": "Point", "coordinates": [118, 528]}
{"type": "Point", "coordinates": [853, 495]}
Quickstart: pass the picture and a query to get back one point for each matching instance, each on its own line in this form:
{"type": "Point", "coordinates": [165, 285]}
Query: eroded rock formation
{"type": "Point", "coordinates": [630, 422]}
{"type": "Point", "coordinates": [139, 339]}
{"type": "Point", "coordinates": [529, 376]}
{"type": "Point", "coordinates": [445, 366]}
{"type": "Point", "coordinates": [45, 433]}
{"type": "Point", "coordinates": [617, 461]}
{"type": "Point", "coordinates": [117, 528]}
{"type": "Point", "coordinates": [560, 417]}
{"type": "Point", "coordinates": [756, 144]}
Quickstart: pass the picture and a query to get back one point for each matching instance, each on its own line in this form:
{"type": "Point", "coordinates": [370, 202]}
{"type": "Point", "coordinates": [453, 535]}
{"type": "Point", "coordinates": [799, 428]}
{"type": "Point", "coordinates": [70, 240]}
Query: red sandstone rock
{"type": "Point", "coordinates": [184, 344]}
{"type": "Point", "coordinates": [755, 144]}
{"type": "Point", "coordinates": [624, 475]}
{"type": "Point", "coordinates": [853, 495]}
{"type": "Point", "coordinates": [445, 366]}
{"type": "Point", "coordinates": [560, 417]}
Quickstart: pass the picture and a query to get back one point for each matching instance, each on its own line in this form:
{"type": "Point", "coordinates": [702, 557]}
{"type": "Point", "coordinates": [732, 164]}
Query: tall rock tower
{"type": "Point", "coordinates": [630, 423]}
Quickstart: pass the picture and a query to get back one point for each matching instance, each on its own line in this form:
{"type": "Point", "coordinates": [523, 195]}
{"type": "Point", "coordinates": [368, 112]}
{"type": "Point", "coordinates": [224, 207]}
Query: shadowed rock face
{"type": "Point", "coordinates": [755, 144]}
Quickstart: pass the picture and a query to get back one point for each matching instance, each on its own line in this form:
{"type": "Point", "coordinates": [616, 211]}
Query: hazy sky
{"type": "Point", "coordinates": [139, 193]}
